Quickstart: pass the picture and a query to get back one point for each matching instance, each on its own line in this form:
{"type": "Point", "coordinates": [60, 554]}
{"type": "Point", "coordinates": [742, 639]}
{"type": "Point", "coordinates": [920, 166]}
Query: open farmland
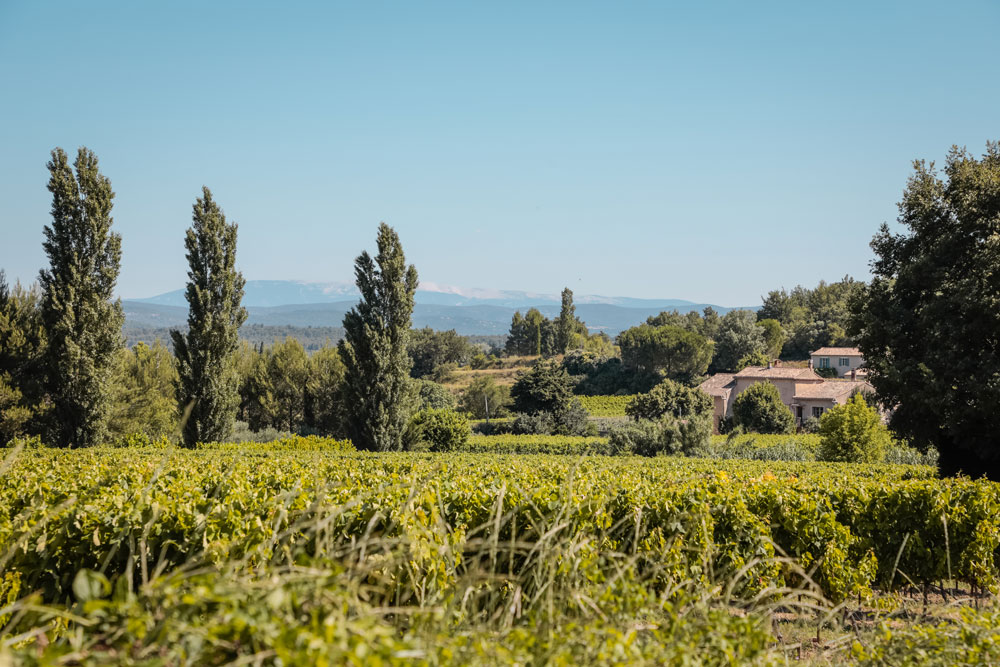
{"type": "Point", "coordinates": [311, 553]}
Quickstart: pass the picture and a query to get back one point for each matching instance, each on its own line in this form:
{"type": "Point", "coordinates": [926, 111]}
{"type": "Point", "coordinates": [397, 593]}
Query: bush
{"type": "Point", "coordinates": [670, 398]}
{"type": "Point", "coordinates": [899, 454]}
{"type": "Point", "coordinates": [540, 423]}
{"type": "Point", "coordinates": [432, 396]}
{"type": "Point", "coordinates": [759, 409]}
{"type": "Point", "coordinates": [853, 432]}
{"type": "Point", "coordinates": [442, 430]}
{"type": "Point", "coordinates": [810, 425]}
{"type": "Point", "coordinates": [665, 436]}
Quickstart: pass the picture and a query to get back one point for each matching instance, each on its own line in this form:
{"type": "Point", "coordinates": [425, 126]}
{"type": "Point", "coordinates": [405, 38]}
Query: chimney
{"type": "Point", "coordinates": [854, 374]}
{"type": "Point", "coordinates": [777, 363]}
{"type": "Point", "coordinates": [810, 364]}
{"type": "Point", "coordinates": [768, 364]}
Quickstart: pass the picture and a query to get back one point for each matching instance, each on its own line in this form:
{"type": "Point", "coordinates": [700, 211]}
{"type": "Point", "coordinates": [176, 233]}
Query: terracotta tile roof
{"type": "Point", "coordinates": [837, 352]}
{"type": "Point", "coordinates": [779, 373]}
{"type": "Point", "coordinates": [830, 389]}
{"type": "Point", "coordinates": [720, 384]}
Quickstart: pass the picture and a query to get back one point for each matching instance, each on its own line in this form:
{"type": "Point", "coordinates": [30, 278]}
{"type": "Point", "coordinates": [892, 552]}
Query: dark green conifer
{"type": "Point", "coordinates": [82, 323]}
{"type": "Point", "coordinates": [377, 400]}
{"type": "Point", "coordinates": [208, 390]}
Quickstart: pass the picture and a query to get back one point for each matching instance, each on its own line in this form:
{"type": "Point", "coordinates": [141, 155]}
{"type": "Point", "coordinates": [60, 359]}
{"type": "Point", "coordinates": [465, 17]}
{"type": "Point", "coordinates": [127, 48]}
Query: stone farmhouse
{"type": "Point", "coordinates": [805, 392]}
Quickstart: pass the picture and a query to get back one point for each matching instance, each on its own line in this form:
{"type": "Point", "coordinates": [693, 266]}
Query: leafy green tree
{"type": "Point", "coordinates": [484, 393]}
{"type": "Point", "coordinates": [673, 351]}
{"type": "Point", "coordinates": [288, 381]}
{"type": "Point", "coordinates": [739, 336]}
{"type": "Point", "coordinates": [811, 318]}
{"type": "Point", "coordinates": [566, 326]}
{"type": "Point", "coordinates": [759, 409]}
{"type": "Point", "coordinates": [774, 337]}
{"type": "Point", "coordinates": [929, 323]}
{"type": "Point", "coordinates": [431, 395]}
{"type": "Point", "coordinates": [376, 383]}
{"type": "Point", "coordinates": [324, 411]}
{"type": "Point", "coordinates": [853, 432]}
{"type": "Point", "coordinates": [431, 349]}
{"type": "Point", "coordinates": [547, 387]}
{"type": "Point", "coordinates": [208, 386]}
{"type": "Point", "coordinates": [82, 324]}
{"type": "Point", "coordinates": [669, 398]}
{"type": "Point", "coordinates": [442, 430]}
{"type": "Point", "coordinates": [23, 402]}
{"type": "Point", "coordinates": [757, 358]}
{"type": "Point", "coordinates": [144, 397]}
{"type": "Point", "coordinates": [667, 435]}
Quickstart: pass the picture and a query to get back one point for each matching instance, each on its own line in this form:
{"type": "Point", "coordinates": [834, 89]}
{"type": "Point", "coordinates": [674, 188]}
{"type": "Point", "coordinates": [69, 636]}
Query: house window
{"type": "Point", "coordinates": [817, 412]}
{"type": "Point", "coordinates": [844, 361]}
{"type": "Point", "coordinates": [824, 362]}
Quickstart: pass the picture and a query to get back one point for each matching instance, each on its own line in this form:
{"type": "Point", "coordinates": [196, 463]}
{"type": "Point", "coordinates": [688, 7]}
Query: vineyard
{"type": "Point", "coordinates": [306, 552]}
{"type": "Point", "coordinates": [605, 406]}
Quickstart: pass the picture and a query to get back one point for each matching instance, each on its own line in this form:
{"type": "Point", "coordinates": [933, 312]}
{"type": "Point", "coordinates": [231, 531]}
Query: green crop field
{"type": "Point", "coordinates": [605, 406]}
{"type": "Point", "coordinates": [306, 552]}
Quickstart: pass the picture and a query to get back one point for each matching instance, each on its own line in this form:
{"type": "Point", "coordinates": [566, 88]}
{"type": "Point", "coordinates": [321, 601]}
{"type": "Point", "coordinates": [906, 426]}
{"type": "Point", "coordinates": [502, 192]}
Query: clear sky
{"type": "Point", "coordinates": [707, 151]}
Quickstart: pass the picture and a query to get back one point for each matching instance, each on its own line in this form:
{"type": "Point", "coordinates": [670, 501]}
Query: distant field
{"type": "Point", "coordinates": [606, 406]}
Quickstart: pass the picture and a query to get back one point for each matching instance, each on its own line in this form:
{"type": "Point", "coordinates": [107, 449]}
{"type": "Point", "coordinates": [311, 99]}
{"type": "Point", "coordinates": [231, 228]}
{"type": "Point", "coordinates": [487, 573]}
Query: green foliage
{"type": "Point", "coordinates": [144, 397]}
{"type": "Point", "coordinates": [431, 349]}
{"type": "Point", "coordinates": [606, 406]}
{"type": "Point", "coordinates": [208, 389]}
{"type": "Point", "coordinates": [82, 324]}
{"type": "Point", "coordinates": [853, 432]}
{"type": "Point", "coordinates": [676, 353]}
{"type": "Point", "coordinates": [596, 375]}
{"type": "Point", "coordinates": [531, 335]}
{"type": "Point", "coordinates": [812, 318]}
{"type": "Point", "coordinates": [569, 445]}
{"type": "Point", "coordinates": [23, 401]}
{"type": "Point", "coordinates": [374, 350]}
{"type": "Point", "coordinates": [927, 325]}
{"type": "Point", "coordinates": [705, 323]}
{"type": "Point", "coordinates": [670, 399]}
{"type": "Point", "coordinates": [667, 435]}
{"type": "Point", "coordinates": [738, 337]}
{"type": "Point", "coordinates": [431, 395]}
{"type": "Point", "coordinates": [441, 430]}
{"type": "Point", "coordinates": [566, 325]}
{"type": "Point", "coordinates": [546, 387]}
{"type": "Point", "coordinates": [759, 409]}
{"type": "Point", "coordinates": [755, 359]}
{"type": "Point", "coordinates": [324, 409]}
{"type": "Point", "coordinates": [485, 392]}
{"type": "Point", "coordinates": [774, 336]}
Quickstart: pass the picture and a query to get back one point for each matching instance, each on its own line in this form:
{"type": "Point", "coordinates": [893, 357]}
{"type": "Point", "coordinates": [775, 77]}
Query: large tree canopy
{"type": "Point", "coordinates": [929, 323]}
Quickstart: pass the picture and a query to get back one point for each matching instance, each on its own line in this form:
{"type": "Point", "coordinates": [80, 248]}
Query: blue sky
{"type": "Point", "coordinates": [707, 151]}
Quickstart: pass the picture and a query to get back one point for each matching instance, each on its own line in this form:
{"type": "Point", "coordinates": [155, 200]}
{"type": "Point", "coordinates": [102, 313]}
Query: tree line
{"type": "Point", "coordinates": [65, 374]}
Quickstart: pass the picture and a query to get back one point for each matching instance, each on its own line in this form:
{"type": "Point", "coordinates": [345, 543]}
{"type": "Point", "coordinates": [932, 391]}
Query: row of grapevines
{"type": "Point", "coordinates": [606, 406]}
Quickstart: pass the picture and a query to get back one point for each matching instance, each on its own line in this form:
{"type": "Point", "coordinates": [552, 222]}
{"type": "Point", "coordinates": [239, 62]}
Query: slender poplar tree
{"type": "Point", "coordinates": [208, 386]}
{"type": "Point", "coordinates": [567, 321]}
{"type": "Point", "coordinates": [83, 325]}
{"type": "Point", "coordinates": [377, 398]}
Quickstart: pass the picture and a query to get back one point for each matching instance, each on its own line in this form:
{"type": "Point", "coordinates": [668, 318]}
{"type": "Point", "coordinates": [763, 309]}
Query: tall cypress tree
{"type": "Point", "coordinates": [567, 321]}
{"type": "Point", "coordinates": [208, 389]}
{"type": "Point", "coordinates": [83, 325]}
{"type": "Point", "coordinates": [376, 395]}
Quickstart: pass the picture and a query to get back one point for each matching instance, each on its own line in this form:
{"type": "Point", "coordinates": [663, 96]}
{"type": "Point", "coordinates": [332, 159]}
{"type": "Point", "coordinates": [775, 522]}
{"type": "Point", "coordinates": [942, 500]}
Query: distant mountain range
{"type": "Point", "coordinates": [468, 311]}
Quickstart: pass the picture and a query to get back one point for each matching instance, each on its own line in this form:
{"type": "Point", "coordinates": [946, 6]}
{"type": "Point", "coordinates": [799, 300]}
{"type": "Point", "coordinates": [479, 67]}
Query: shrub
{"type": "Point", "coordinates": [853, 432]}
{"type": "Point", "coordinates": [905, 455]}
{"type": "Point", "coordinates": [547, 387]}
{"type": "Point", "coordinates": [670, 398]}
{"type": "Point", "coordinates": [442, 430]}
{"type": "Point", "coordinates": [431, 395]}
{"type": "Point", "coordinates": [540, 423]}
{"type": "Point", "coordinates": [665, 436]}
{"type": "Point", "coordinates": [759, 409]}
{"type": "Point", "coordinates": [810, 425]}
